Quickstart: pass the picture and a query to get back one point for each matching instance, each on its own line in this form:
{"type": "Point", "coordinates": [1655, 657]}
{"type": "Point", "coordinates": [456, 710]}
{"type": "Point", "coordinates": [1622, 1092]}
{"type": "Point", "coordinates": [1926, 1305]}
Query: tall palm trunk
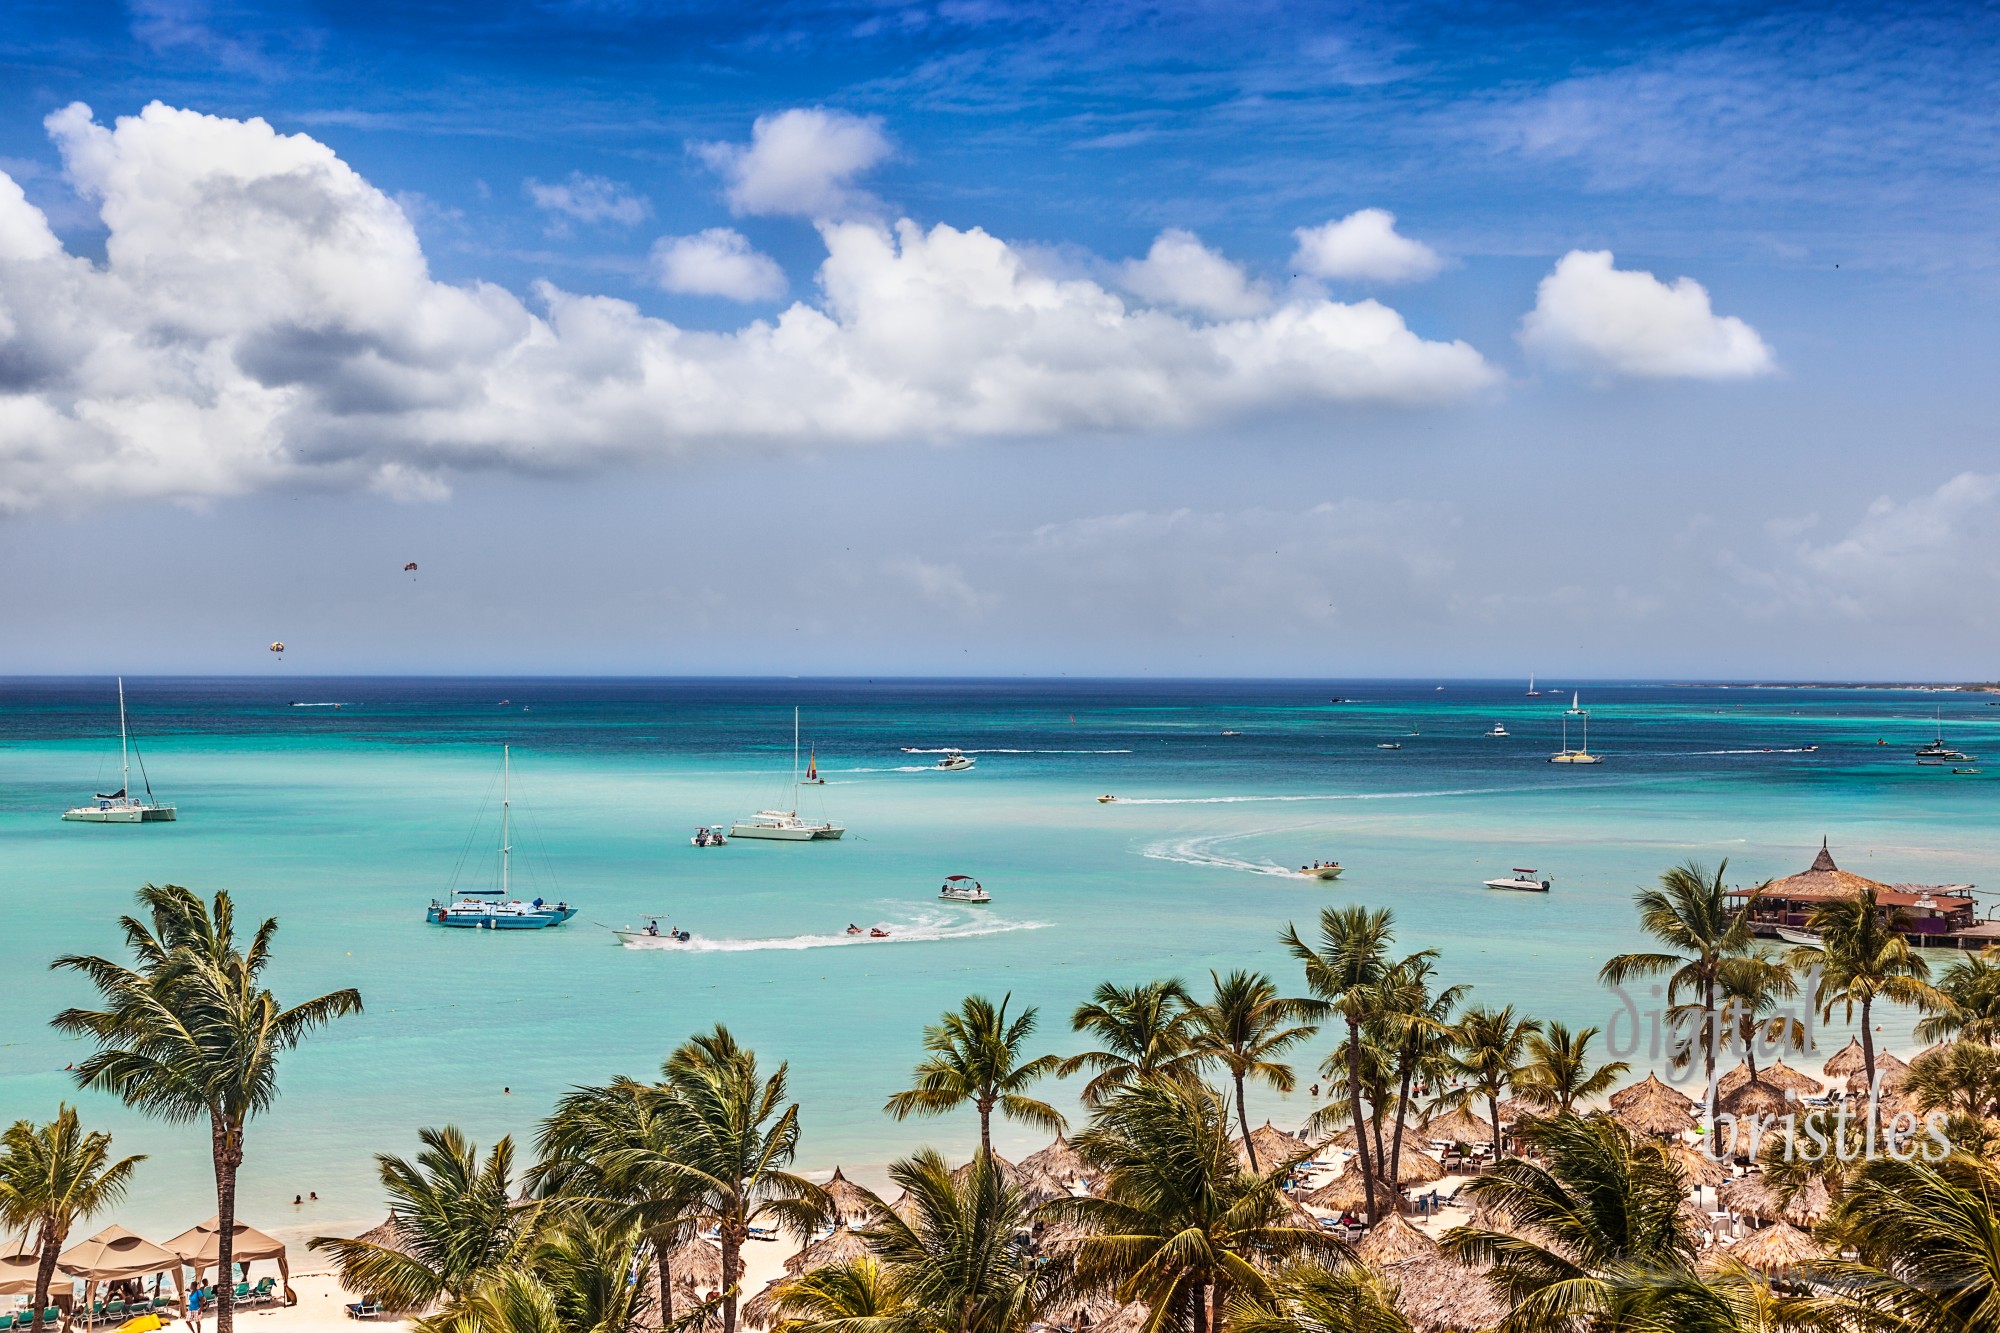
{"type": "Point", "coordinates": [660, 1253]}
{"type": "Point", "coordinates": [1493, 1114]}
{"type": "Point", "coordinates": [226, 1141]}
{"type": "Point", "coordinates": [1201, 1307]}
{"type": "Point", "coordinates": [1243, 1119]}
{"type": "Point", "coordinates": [1402, 1100]}
{"type": "Point", "coordinates": [732, 1245]}
{"type": "Point", "coordinates": [45, 1272]}
{"type": "Point", "coordinates": [1708, 1030]}
{"type": "Point", "coordinates": [1354, 1111]}
{"type": "Point", "coordinates": [986, 1127]}
{"type": "Point", "coordinates": [1868, 1060]}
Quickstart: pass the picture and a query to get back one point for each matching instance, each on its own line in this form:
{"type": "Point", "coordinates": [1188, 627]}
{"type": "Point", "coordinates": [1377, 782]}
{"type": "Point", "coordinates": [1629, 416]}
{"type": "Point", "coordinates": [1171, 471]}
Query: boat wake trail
{"type": "Point", "coordinates": [923, 928]}
{"type": "Point", "coordinates": [1330, 796]}
{"type": "Point", "coordinates": [1206, 852]}
{"type": "Point", "coordinates": [911, 749]}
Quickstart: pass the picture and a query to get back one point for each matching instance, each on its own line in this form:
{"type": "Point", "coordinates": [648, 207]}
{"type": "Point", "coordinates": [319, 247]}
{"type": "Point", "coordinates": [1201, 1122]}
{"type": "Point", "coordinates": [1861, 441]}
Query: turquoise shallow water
{"type": "Point", "coordinates": [345, 822]}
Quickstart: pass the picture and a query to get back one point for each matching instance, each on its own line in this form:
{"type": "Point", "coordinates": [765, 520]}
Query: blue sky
{"type": "Point", "coordinates": [1184, 339]}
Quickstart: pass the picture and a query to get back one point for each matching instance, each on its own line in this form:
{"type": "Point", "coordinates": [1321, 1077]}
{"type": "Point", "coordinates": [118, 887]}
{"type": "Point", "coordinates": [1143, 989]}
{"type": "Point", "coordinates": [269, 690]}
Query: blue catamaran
{"type": "Point", "coordinates": [493, 909]}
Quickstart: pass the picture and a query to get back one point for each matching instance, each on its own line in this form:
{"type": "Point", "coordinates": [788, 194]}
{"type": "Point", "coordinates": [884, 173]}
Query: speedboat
{"type": "Point", "coordinates": [953, 761]}
{"type": "Point", "coordinates": [652, 931]}
{"type": "Point", "coordinates": [1106, 800]}
{"type": "Point", "coordinates": [1965, 772]}
{"type": "Point", "coordinates": [1794, 935]}
{"type": "Point", "coordinates": [121, 807]}
{"type": "Point", "coordinates": [1524, 879]}
{"type": "Point", "coordinates": [710, 835]}
{"type": "Point", "coordinates": [1322, 870]}
{"type": "Point", "coordinates": [490, 909]}
{"type": "Point", "coordinates": [786, 825]}
{"type": "Point", "coordinates": [1390, 745]}
{"type": "Point", "coordinates": [494, 909]}
{"type": "Point", "coordinates": [963, 889]}
{"type": "Point", "coordinates": [1232, 733]}
{"type": "Point", "coordinates": [1498, 729]}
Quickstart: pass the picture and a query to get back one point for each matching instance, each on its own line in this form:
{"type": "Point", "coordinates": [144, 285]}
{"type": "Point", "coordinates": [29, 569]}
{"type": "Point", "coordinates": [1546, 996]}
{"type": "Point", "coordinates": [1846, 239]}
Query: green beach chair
{"type": "Point", "coordinates": [243, 1291]}
{"type": "Point", "coordinates": [114, 1310]}
{"type": "Point", "coordinates": [7, 1322]}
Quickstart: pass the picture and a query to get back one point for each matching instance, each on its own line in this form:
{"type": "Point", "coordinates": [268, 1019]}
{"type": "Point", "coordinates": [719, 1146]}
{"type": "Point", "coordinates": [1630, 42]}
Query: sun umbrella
{"type": "Point", "coordinates": [1782, 1075]}
{"type": "Point", "coordinates": [1809, 1203]}
{"type": "Point", "coordinates": [837, 1248]}
{"type": "Point", "coordinates": [1697, 1166]}
{"type": "Point", "coordinates": [1849, 1060]}
{"type": "Point", "coordinates": [199, 1247]}
{"type": "Point", "coordinates": [1647, 1088]}
{"type": "Point", "coordinates": [1456, 1126]}
{"type": "Point", "coordinates": [1755, 1100]}
{"type": "Point", "coordinates": [1416, 1167]}
{"type": "Point", "coordinates": [1775, 1248]}
{"type": "Point", "coordinates": [1666, 1115]}
{"type": "Point", "coordinates": [1273, 1145]}
{"type": "Point", "coordinates": [850, 1201]}
{"type": "Point", "coordinates": [1438, 1294]}
{"type": "Point", "coordinates": [115, 1253]}
{"type": "Point", "coordinates": [1058, 1161]}
{"type": "Point", "coordinates": [17, 1274]}
{"type": "Point", "coordinates": [1344, 1193]}
{"type": "Point", "coordinates": [1393, 1240]}
{"type": "Point", "coordinates": [1750, 1197]}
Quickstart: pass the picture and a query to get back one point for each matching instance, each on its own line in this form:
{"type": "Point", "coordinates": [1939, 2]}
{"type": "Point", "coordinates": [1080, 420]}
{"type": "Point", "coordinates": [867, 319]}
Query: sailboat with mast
{"type": "Point", "coordinates": [1533, 693]}
{"type": "Point", "coordinates": [121, 807]}
{"type": "Point", "coordinates": [1581, 755]}
{"type": "Point", "coordinates": [496, 909]}
{"type": "Point", "coordinates": [786, 825]}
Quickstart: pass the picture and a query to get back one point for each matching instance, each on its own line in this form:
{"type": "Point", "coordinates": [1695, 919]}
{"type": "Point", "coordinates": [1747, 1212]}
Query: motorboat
{"type": "Point", "coordinates": [651, 931]}
{"type": "Point", "coordinates": [121, 807]}
{"type": "Point", "coordinates": [954, 761]}
{"type": "Point", "coordinates": [495, 909]}
{"type": "Point", "coordinates": [1322, 870]}
{"type": "Point", "coordinates": [1965, 772]}
{"type": "Point", "coordinates": [1232, 733]}
{"type": "Point", "coordinates": [963, 889]}
{"type": "Point", "coordinates": [1582, 754]}
{"type": "Point", "coordinates": [1525, 879]}
{"type": "Point", "coordinates": [710, 835]}
{"type": "Point", "coordinates": [787, 825]}
{"type": "Point", "coordinates": [1390, 745]}
{"type": "Point", "coordinates": [491, 909]}
{"type": "Point", "coordinates": [1106, 800]}
{"type": "Point", "coordinates": [1498, 729]}
{"type": "Point", "coordinates": [1795, 935]}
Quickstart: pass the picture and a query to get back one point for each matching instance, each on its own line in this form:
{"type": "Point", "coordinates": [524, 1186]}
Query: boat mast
{"type": "Point", "coordinates": [124, 756]}
{"type": "Point", "coordinates": [505, 761]}
{"type": "Point", "coordinates": [795, 760]}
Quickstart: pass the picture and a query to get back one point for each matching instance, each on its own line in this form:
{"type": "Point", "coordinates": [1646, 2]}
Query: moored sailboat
{"type": "Point", "coordinates": [1581, 755]}
{"type": "Point", "coordinates": [121, 807]}
{"type": "Point", "coordinates": [493, 909]}
{"type": "Point", "coordinates": [786, 825]}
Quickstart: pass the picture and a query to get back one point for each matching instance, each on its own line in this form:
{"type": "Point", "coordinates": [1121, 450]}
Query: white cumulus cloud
{"type": "Point", "coordinates": [264, 316]}
{"type": "Point", "coordinates": [588, 199]}
{"type": "Point", "coordinates": [1592, 317]}
{"type": "Point", "coordinates": [717, 262]}
{"type": "Point", "coordinates": [800, 162]}
{"type": "Point", "coordinates": [1180, 271]}
{"type": "Point", "coordinates": [1364, 245]}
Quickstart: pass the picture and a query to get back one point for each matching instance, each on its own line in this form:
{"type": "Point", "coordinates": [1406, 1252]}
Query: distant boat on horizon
{"type": "Point", "coordinates": [121, 807]}
{"type": "Point", "coordinates": [1533, 693]}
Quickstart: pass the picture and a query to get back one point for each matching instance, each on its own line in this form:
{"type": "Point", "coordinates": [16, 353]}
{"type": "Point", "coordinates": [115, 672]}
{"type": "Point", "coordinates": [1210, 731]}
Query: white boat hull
{"type": "Point", "coordinates": [1793, 935]}
{"type": "Point", "coordinates": [787, 832]}
{"type": "Point", "coordinates": [121, 814]}
{"type": "Point", "coordinates": [1520, 885]}
{"type": "Point", "coordinates": [965, 898]}
{"type": "Point", "coordinates": [1576, 757]}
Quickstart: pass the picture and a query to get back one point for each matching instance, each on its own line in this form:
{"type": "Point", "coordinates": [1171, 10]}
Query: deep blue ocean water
{"type": "Point", "coordinates": [345, 822]}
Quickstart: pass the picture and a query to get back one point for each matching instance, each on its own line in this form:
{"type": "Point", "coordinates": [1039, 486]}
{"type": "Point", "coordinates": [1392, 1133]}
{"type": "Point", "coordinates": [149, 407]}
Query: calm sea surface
{"type": "Point", "coordinates": [345, 822]}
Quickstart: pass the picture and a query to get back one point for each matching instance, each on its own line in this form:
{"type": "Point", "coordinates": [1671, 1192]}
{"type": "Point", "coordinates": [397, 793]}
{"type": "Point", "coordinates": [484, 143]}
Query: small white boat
{"type": "Point", "coordinates": [954, 761]}
{"type": "Point", "coordinates": [1525, 879]}
{"type": "Point", "coordinates": [1390, 745]}
{"type": "Point", "coordinates": [1322, 870]}
{"type": "Point", "coordinates": [651, 931]}
{"type": "Point", "coordinates": [121, 807]}
{"type": "Point", "coordinates": [1498, 729]}
{"type": "Point", "coordinates": [1106, 800]}
{"type": "Point", "coordinates": [1797, 935]}
{"type": "Point", "coordinates": [1582, 755]}
{"type": "Point", "coordinates": [1533, 693]}
{"type": "Point", "coordinates": [963, 889]}
{"type": "Point", "coordinates": [710, 835]}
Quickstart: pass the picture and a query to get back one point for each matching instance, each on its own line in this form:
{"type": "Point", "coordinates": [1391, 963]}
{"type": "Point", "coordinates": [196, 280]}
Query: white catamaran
{"type": "Point", "coordinates": [121, 807]}
{"type": "Point", "coordinates": [1583, 754]}
{"type": "Point", "coordinates": [786, 825]}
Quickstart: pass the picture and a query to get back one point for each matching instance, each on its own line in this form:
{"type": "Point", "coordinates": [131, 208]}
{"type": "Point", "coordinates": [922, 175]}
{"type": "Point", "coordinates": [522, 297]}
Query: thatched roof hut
{"type": "Point", "coordinates": [1344, 1193]}
{"type": "Point", "coordinates": [1648, 1088]}
{"type": "Point", "coordinates": [1846, 1061]}
{"type": "Point", "coordinates": [1059, 1161]}
{"type": "Point", "coordinates": [1755, 1100]}
{"type": "Point", "coordinates": [1438, 1294]}
{"type": "Point", "coordinates": [1127, 1319]}
{"type": "Point", "coordinates": [761, 1310]}
{"type": "Point", "coordinates": [1751, 1197]}
{"type": "Point", "coordinates": [1516, 1109]}
{"type": "Point", "coordinates": [1273, 1146]}
{"type": "Point", "coordinates": [1416, 1167]}
{"type": "Point", "coordinates": [839, 1247]}
{"type": "Point", "coordinates": [1456, 1126]}
{"type": "Point", "coordinates": [1888, 1069]}
{"type": "Point", "coordinates": [1781, 1075]}
{"type": "Point", "coordinates": [851, 1203]}
{"type": "Point", "coordinates": [1697, 1165]}
{"type": "Point", "coordinates": [1809, 1204]}
{"type": "Point", "coordinates": [385, 1234]}
{"type": "Point", "coordinates": [1393, 1240]}
{"type": "Point", "coordinates": [1036, 1186]}
{"type": "Point", "coordinates": [1665, 1113]}
{"type": "Point", "coordinates": [1777, 1247]}
{"type": "Point", "coordinates": [698, 1263]}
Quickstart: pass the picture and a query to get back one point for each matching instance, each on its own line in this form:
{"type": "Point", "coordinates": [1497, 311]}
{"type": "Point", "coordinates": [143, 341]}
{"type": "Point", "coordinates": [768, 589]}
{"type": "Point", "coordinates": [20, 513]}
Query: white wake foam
{"type": "Point", "coordinates": [1327, 796]}
{"type": "Point", "coordinates": [922, 928]}
{"type": "Point", "coordinates": [1206, 852]}
{"type": "Point", "coordinates": [911, 749]}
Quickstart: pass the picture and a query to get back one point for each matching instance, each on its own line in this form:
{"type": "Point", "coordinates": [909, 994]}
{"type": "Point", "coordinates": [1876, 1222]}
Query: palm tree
{"type": "Point", "coordinates": [452, 1222]}
{"type": "Point", "coordinates": [601, 1153]}
{"type": "Point", "coordinates": [1590, 1232]}
{"type": "Point", "coordinates": [975, 1056]}
{"type": "Point", "coordinates": [1180, 1224]}
{"type": "Point", "coordinates": [1861, 957]}
{"type": "Point", "coordinates": [951, 1264]}
{"type": "Point", "coordinates": [837, 1295]}
{"type": "Point", "coordinates": [1344, 972]}
{"type": "Point", "coordinates": [1962, 1078]}
{"type": "Point", "coordinates": [575, 1279]}
{"type": "Point", "coordinates": [1313, 1298]}
{"type": "Point", "coordinates": [1926, 1238]}
{"type": "Point", "coordinates": [1967, 1006]}
{"type": "Point", "coordinates": [1558, 1072]}
{"type": "Point", "coordinates": [52, 1177]}
{"type": "Point", "coordinates": [1417, 1024]}
{"type": "Point", "coordinates": [1490, 1049]}
{"type": "Point", "coordinates": [1750, 989]}
{"type": "Point", "coordinates": [729, 1135]}
{"type": "Point", "coordinates": [1244, 1028]}
{"type": "Point", "coordinates": [192, 1034]}
{"type": "Point", "coordinates": [1144, 1029]}
{"type": "Point", "coordinates": [1690, 914]}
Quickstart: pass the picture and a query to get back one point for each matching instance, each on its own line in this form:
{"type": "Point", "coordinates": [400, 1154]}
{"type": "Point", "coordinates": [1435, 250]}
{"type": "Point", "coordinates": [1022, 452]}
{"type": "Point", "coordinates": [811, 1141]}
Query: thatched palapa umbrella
{"type": "Point", "coordinates": [1344, 1194]}
{"type": "Point", "coordinates": [838, 1248]}
{"type": "Point", "coordinates": [851, 1203]}
{"type": "Point", "coordinates": [1888, 1069]}
{"type": "Point", "coordinates": [1393, 1240]}
{"type": "Point", "coordinates": [1273, 1146]}
{"type": "Point", "coordinates": [1809, 1204]}
{"type": "Point", "coordinates": [698, 1263]}
{"type": "Point", "coordinates": [1437, 1294]}
{"type": "Point", "coordinates": [1751, 1197]}
{"type": "Point", "coordinates": [1697, 1166]}
{"type": "Point", "coordinates": [1647, 1089]}
{"type": "Point", "coordinates": [761, 1310]}
{"type": "Point", "coordinates": [1776, 1248]}
{"type": "Point", "coordinates": [1664, 1112]}
{"type": "Point", "coordinates": [1783, 1076]}
{"type": "Point", "coordinates": [1059, 1161]}
{"type": "Point", "coordinates": [1127, 1319]}
{"type": "Point", "coordinates": [1848, 1060]}
{"type": "Point", "coordinates": [1456, 1126]}
{"type": "Point", "coordinates": [1416, 1167]}
{"type": "Point", "coordinates": [1756, 1100]}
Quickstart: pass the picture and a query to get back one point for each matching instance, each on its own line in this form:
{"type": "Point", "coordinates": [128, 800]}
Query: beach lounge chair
{"type": "Point", "coordinates": [7, 1322]}
{"type": "Point", "coordinates": [363, 1310]}
{"type": "Point", "coordinates": [265, 1290]}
